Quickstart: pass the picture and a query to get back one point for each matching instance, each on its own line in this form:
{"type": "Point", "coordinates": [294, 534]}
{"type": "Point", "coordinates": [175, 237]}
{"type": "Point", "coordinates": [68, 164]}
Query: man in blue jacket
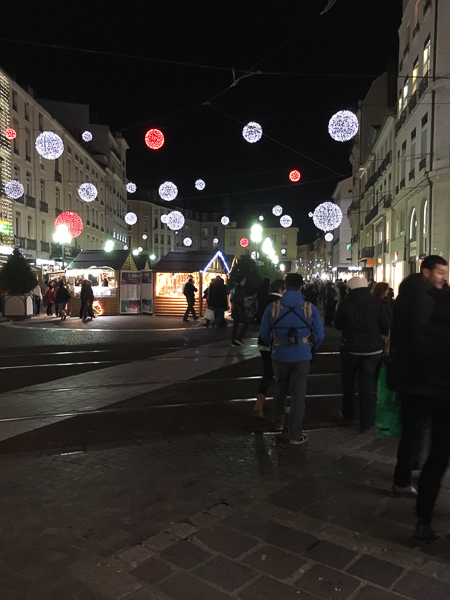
{"type": "Point", "coordinates": [290, 331]}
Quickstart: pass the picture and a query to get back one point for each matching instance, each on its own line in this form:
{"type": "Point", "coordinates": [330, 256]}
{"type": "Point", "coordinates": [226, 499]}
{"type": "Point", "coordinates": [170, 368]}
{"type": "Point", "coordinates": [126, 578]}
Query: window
{"type": "Point", "coordinates": [274, 238]}
{"type": "Point", "coordinates": [403, 221]}
{"type": "Point", "coordinates": [405, 91]}
{"type": "Point", "coordinates": [27, 144]}
{"type": "Point", "coordinates": [26, 107]}
{"type": "Point", "coordinates": [18, 229]}
{"type": "Point", "coordinates": [16, 172]}
{"type": "Point", "coordinates": [284, 239]}
{"type": "Point", "coordinates": [413, 226]}
{"type": "Point", "coordinates": [69, 170]}
{"type": "Point", "coordinates": [76, 176]}
{"type": "Point", "coordinates": [15, 100]}
{"type": "Point", "coordinates": [42, 190]}
{"type": "Point", "coordinates": [57, 198]}
{"type": "Point", "coordinates": [29, 228]}
{"type": "Point", "coordinates": [424, 142]}
{"type": "Point", "coordinates": [41, 122]}
{"type": "Point", "coordinates": [43, 231]}
{"type": "Point", "coordinates": [413, 150]}
{"type": "Point", "coordinates": [156, 223]}
{"type": "Point", "coordinates": [28, 184]}
{"type": "Point", "coordinates": [69, 199]}
{"type": "Point", "coordinates": [16, 140]}
{"type": "Point", "coordinates": [205, 232]}
{"type": "Point", "coordinates": [215, 230]}
{"type": "Point", "coordinates": [427, 57]}
{"type": "Point", "coordinates": [403, 163]}
{"type": "Point", "coordinates": [415, 74]}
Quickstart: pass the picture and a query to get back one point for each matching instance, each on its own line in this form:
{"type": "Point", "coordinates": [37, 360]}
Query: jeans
{"type": "Point", "coordinates": [49, 308]}
{"type": "Point", "coordinates": [239, 328]}
{"type": "Point", "coordinates": [414, 415]}
{"type": "Point", "coordinates": [437, 461]}
{"type": "Point", "coordinates": [364, 367]}
{"type": "Point", "coordinates": [219, 317]}
{"type": "Point", "coordinates": [61, 309]}
{"type": "Point", "coordinates": [291, 376]}
{"type": "Point", "coordinates": [190, 309]}
{"type": "Point", "coordinates": [267, 377]}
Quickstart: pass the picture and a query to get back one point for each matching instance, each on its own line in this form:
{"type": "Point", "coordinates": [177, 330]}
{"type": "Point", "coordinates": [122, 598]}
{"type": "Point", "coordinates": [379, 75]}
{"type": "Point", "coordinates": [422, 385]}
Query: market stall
{"type": "Point", "coordinates": [173, 271]}
{"type": "Point", "coordinates": [105, 271]}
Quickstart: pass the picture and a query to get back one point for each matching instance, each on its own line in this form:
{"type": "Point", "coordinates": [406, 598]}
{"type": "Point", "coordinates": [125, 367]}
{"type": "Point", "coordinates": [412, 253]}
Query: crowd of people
{"type": "Point", "coordinates": [56, 297]}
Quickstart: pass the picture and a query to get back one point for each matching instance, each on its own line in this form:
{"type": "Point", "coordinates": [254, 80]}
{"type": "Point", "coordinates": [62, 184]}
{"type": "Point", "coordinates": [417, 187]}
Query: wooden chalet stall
{"type": "Point", "coordinates": [103, 269]}
{"type": "Point", "coordinates": [173, 271]}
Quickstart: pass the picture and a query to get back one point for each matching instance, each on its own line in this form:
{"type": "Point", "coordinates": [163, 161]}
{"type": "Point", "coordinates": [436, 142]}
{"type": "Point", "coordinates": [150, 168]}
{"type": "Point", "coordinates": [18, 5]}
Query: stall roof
{"type": "Point", "coordinates": [179, 261]}
{"type": "Point", "coordinates": [98, 259]}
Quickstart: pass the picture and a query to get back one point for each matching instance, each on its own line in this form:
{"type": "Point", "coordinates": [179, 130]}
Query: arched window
{"type": "Point", "coordinates": [413, 226]}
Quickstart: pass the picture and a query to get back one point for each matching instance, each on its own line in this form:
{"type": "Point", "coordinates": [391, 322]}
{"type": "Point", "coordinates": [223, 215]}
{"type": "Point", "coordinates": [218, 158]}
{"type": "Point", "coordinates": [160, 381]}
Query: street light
{"type": "Point", "coordinates": [62, 236]}
{"type": "Point", "coordinates": [256, 234]}
{"type": "Point", "coordinates": [109, 246]}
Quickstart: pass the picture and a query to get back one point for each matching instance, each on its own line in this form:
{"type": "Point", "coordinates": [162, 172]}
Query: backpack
{"type": "Point", "coordinates": [292, 338]}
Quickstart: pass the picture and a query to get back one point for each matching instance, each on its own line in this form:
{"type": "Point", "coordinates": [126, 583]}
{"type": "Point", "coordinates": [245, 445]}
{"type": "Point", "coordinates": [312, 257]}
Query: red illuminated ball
{"type": "Point", "coordinates": [294, 176]}
{"type": "Point", "coordinates": [244, 242]}
{"type": "Point", "coordinates": [154, 138]}
{"type": "Point", "coordinates": [73, 222]}
{"type": "Point", "coordinates": [11, 133]}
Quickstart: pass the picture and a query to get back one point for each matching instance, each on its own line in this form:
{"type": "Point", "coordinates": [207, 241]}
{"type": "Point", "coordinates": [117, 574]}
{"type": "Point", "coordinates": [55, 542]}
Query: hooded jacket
{"type": "Point", "coordinates": [363, 321]}
{"type": "Point", "coordinates": [436, 346]}
{"type": "Point", "coordinates": [281, 325]}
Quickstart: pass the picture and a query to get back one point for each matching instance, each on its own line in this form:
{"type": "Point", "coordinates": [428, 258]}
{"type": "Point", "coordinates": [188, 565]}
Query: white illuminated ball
{"type": "Point", "coordinates": [168, 191]}
{"type": "Point", "coordinates": [144, 237]}
{"type": "Point", "coordinates": [254, 255]}
{"type": "Point", "coordinates": [86, 136]}
{"type": "Point", "coordinates": [215, 240]}
{"type": "Point", "coordinates": [140, 249]}
{"type": "Point", "coordinates": [175, 220]}
{"type": "Point", "coordinates": [328, 237]}
{"type": "Point", "coordinates": [49, 145]}
{"type": "Point", "coordinates": [187, 241]}
{"type": "Point", "coordinates": [225, 220]}
{"type": "Point", "coordinates": [343, 126]}
{"type": "Point", "coordinates": [286, 221]}
{"type": "Point", "coordinates": [131, 187]}
{"type": "Point", "coordinates": [252, 132]}
{"type": "Point", "coordinates": [200, 184]}
{"type": "Point", "coordinates": [327, 216]}
{"type": "Point", "coordinates": [14, 189]}
{"type": "Point", "coordinates": [283, 250]}
{"type": "Point", "coordinates": [125, 247]}
{"type": "Point", "coordinates": [164, 218]}
{"type": "Point", "coordinates": [277, 210]}
{"type": "Point", "coordinates": [130, 218]}
{"type": "Point", "coordinates": [87, 192]}
{"type": "Point", "coordinates": [261, 217]}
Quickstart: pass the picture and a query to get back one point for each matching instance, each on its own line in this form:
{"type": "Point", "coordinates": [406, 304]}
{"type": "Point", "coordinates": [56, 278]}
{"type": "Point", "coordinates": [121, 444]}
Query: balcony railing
{"type": "Point", "coordinates": [422, 164]}
{"type": "Point", "coordinates": [366, 252]}
{"type": "Point", "coordinates": [423, 85]}
{"type": "Point", "coordinates": [31, 244]}
{"type": "Point", "coordinates": [371, 214]}
{"type": "Point", "coordinates": [354, 239]}
{"type": "Point", "coordinates": [412, 174]}
{"type": "Point", "coordinates": [416, 29]}
{"type": "Point", "coordinates": [58, 177]}
{"type": "Point", "coordinates": [21, 200]}
{"type": "Point", "coordinates": [406, 50]}
{"type": "Point", "coordinates": [387, 200]}
{"type": "Point", "coordinates": [412, 102]}
{"type": "Point", "coordinates": [43, 206]}
{"type": "Point", "coordinates": [426, 6]}
{"type": "Point", "coordinates": [45, 246]}
{"type": "Point", "coordinates": [19, 242]}
{"type": "Point", "coordinates": [30, 201]}
{"type": "Point", "coordinates": [402, 183]}
{"type": "Point", "coordinates": [58, 211]}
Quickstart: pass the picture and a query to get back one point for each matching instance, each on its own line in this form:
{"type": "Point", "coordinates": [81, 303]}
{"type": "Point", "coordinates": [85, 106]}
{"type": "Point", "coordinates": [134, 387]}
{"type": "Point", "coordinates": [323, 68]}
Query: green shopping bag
{"type": "Point", "coordinates": [388, 409]}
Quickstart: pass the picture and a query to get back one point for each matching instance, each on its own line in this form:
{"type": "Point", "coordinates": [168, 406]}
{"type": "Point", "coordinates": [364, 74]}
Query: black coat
{"type": "Point", "coordinates": [218, 295]}
{"type": "Point", "coordinates": [363, 321]}
{"type": "Point", "coordinates": [436, 346]}
{"type": "Point", "coordinates": [190, 291]}
{"type": "Point", "coordinates": [269, 299]}
{"type": "Point", "coordinates": [411, 314]}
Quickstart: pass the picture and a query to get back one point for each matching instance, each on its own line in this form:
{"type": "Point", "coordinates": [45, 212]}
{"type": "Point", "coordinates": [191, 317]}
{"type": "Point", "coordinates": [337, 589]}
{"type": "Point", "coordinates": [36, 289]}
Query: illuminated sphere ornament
{"type": "Point", "coordinates": [154, 138]}
{"type": "Point", "coordinates": [164, 218]}
{"type": "Point", "coordinates": [244, 242]}
{"type": "Point", "coordinates": [11, 133]}
{"type": "Point", "coordinates": [343, 126]}
{"type": "Point", "coordinates": [328, 237]}
{"type": "Point", "coordinates": [283, 250]}
{"type": "Point", "coordinates": [87, 192]}
{"type": "Point", "coordinates": [261, 217]}
{"type": "Point", "coordinates": [200, 184]}
{"type": "Point", "coordinates": [215, 240]}
{"type": "Point", "coordinates": [168, 191]}
{"type": "Point", "coordinates": [294, 176]}
{"type": "Point", "coordinates": [175, 220]}
{"type": "Point", "coordinates": [144, 237]}
{"type": "Point", "coordinates": [86, 136]}
{"type": "Point", "coordinates": [131, 187]}
{"type": "Point", "coordinates": [225, 220]}
{"type": "Point", "coordinates": [14, 189]}
{"type": "Point", "coordinates": [286, 221]}
{"type": "Point", "coordinates": [130, 218]}
{"type": "Point", "coordinates": [49, 145]}
{"type": "Point", "coordinates": [125, 247]}
{"type": "Point", "coordinates": [72, 221]}
{"type": "Point", "coordinates": [254, 255]}
{"type": "Point", "coordinates": [140, 249]}
{"type": "Point", "coordinates": [187, 241]}
{"type": "Point", "coordinates": [277, 210]}
{"type": "Point", "coordinates": [327, 216]}
{"type": "Point", "coordinates": [252, 132]}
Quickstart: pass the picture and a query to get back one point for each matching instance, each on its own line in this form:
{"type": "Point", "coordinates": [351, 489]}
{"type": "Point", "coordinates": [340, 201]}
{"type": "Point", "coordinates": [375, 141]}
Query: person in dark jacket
{"type": "Point", "coordinates": [412, 311]}
{"type": "Point", "coordinates": [261, 298]}
{"type": "Point", "coordinates": [189, 291]}
{"type": "Point", "coordinates": [330, 299]}
{"type": "Point", "coordinates": [87, 299]}
{"type": "Point", "coordinates": [238, 313]}
{"type": "Point", "coordinates": [62, 297]}
{"type": "Point", "coordinates": [363, 322]}
{"type": "Point", "coordinates": [276, 290]}
{"type": "Point", "coordinates": [218, 301]}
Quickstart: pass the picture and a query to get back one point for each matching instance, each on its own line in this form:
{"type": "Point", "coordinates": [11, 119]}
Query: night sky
{"type": "Point", "coordinates": [311, 66]}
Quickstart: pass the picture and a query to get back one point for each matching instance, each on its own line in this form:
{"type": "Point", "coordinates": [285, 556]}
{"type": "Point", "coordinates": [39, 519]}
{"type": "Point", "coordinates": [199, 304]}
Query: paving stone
{"type": "Point", "coordinates": [182, 530]}
{"type": "Point", "coordinates": [266, 588]}
{"type": "Point", "coordinates": [327, 583]}
{"type": "Point", "coordinates": [184, 554]}
{"type": "Point", "coordinates": [225, 573]}
{"type": "Point", "coordinates": [377, 571]}
{"type": "Point", "coordinates": [152, 570]}
{"type": "Point", "coordinates": [355, 521]}
{"type": "Point", "coordinates": [331, 554]}
{"type": "Point", "coordinates": [159, 541]}
{"type": "Point", "coordinates": [136, 555]}
{"type": "Point", "coordinates": [421, 587]}
{"type": "Point", "coordinates": [372, 593]}
{"type": "Point", "coordinates": [323, 511]}
{"type": "Point", "coordinates": [226, 541]}
{"type": "Point", "coordinates": [274, 561]}
{"type": "Point", "coordinates": [184, 586]}
{"type": "Point", "coordinates": [289, 500]}
{"type": "Point", "coordinates": [249, 523]}
{"type": "Point", "coordinates": [287, 538]}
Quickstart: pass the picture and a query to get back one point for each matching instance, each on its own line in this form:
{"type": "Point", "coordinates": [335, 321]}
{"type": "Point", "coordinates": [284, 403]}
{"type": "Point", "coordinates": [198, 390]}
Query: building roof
{"type": "Point", "coordinates": [185, 261]}
{"type": "Point", "coordinates": [87, 259]}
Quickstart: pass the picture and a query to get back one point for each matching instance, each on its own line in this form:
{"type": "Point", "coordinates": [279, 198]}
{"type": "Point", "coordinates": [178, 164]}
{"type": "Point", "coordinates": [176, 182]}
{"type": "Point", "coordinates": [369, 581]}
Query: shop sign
{"type": "Point", "coordinates": [130, 292]}
{"type": "Point", "coordinates": [147, 292]}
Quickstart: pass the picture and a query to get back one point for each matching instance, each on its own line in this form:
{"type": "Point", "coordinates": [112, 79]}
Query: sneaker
{"type": "Point", "coordinates": [279, 427]}
{"type": "Point", "coordinates": [408, 491]}
{"type": "Point", "coordinates": [237, 343]}
{"type": "Point", "coordinates": [258, 409]}
{"type": "Point", "coordinates": [299, 442]}
{"type": "Point", "coordinates": [423, 533]}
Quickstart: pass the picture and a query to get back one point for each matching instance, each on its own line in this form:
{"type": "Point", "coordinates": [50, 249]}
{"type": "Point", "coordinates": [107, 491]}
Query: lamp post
{"type": "Point", "coordinates": [63, 237]}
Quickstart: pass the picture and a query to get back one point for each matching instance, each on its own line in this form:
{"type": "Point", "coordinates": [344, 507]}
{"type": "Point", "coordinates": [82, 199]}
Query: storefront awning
{"type": "Point", "coordinates": [179, 261]}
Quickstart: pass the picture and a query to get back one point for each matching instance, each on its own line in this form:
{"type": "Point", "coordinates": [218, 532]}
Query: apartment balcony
{"type": "Point", "coordinates": [30, 201]}
{"type": "Point", "coordinates": [45, 246]}
{"type": "Point", "coordinates": [422, 164]}
{"type": "Point", "coordinates": [416, 29]}
{"type": "Point", "coordinates": [58, 177]}
{"type": "Point", "coordinates": [58, 211]}
{"type": "Point", "coordinates": [366, 252]}
{"type": "Point", "coordinates": [406, 50]}
{"type": "Point", "coordinates": [423, 85]}
{"type": "Point", "coordinates": [31, 244]}
{"type": "Point", "coordinates": [386, 201]}
{"type": "Point", "coordinates": [19, 242]}
{"type": "Point", "coordinates": [401, 120]}
{"type": "Point", "coordinates": [43, 206]}
{"type": "Point", "coordinates": [354, 239]}
{"type": "Point", "coordinates": [412, 174]}
{"type": "Point", "coordinates": [412, 103]}
{"type": "Point", "coordinates": [402, 183]}
{"type": "Point", "coordinates": [371, 215]}
{"type": "Point", "coordinates": [426, 6]}
{"type": "Point", "coordinates": [20, 200]}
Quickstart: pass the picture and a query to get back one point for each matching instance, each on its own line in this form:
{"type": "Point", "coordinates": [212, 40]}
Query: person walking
{"type": "Point", "coordinates": [37, 293]}
{"type": "Point", "coordinates": [238, 312]}
{"type": "Point", "coordinates": [330, 299]}
{"type": "Point", "coordinates": [363, 322]}
{"type": "Point", "coordinates": [291, 331]}
{"type": "Point", "coordinates": [49, 299]}
{"type": "Point", "coordinates": [276, 290]}
{"type": "Point", "coordinates": [411, 315]}
{"type": "Point", "coordinates": [189, 291]}
{"type": "Point", "coordinates": [218, 301]}
{"type": "Point", "coordinates": [87, 298]}
{"type": "Point", "coordinates": [62, 297]}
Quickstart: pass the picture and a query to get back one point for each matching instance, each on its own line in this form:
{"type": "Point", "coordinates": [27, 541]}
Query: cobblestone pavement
{"type": "Point", "coordinates": [217, 517]}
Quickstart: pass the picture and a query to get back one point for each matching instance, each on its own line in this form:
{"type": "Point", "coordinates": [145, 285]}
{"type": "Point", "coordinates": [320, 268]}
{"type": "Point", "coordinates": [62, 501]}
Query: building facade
{"type": "Point", "coordinates": [338, 250]}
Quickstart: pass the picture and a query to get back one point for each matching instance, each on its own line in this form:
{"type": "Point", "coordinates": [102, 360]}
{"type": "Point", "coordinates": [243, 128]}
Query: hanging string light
{"type": "Point", "coordinates": [252, 132]}
{"type": "Point", "coordinates": [14, 189]}
{"type": "Point", "coordinates": [277, 210]}
{"type": "Point", "coordinates": [225, 220]}
{"type": "Point", "coordinates": [175, 220]}
{"type": "Point", "coordinates": [131, 187]}
{"type": "Point", "coordinates": [49, 145]}
{"type": "Point", "coordinates": [343, 126]}
{"type": "Point", "coordinates": [168, 191]}
{"type": "Point", "coordinates": [294, 175]}
{"type": "Point", "coordinates": [154, 138]}
{"type": "Point", "coordinates": [87, 192]}
{"type": "Point", "coordinates": [130, 218]}
{"type": "Point", "coordinates": [86, 136]}
{"type": "Point", "coordinates": [200, 184]}
{"type": "Point", "coordinates": [72, 221]}
{"type": "Point", "coordinates": [286, 221]}
{"type": "Point", "coordinates": [10, 133]}
{"type": "Point", "coordinates": [327, 216]}
{"type": "Point", "coordinates": [187, 241]}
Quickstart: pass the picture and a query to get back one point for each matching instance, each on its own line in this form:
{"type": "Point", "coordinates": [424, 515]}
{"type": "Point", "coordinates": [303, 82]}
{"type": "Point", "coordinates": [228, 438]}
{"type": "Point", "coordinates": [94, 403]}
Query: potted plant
{"type": "Point", "coordinates": [17, 280]}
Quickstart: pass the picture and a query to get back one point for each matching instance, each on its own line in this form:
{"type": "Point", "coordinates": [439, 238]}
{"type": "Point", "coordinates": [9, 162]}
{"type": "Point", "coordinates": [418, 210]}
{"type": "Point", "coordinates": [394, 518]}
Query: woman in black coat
{"type": "Point", "coordinates": [363, 321]}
